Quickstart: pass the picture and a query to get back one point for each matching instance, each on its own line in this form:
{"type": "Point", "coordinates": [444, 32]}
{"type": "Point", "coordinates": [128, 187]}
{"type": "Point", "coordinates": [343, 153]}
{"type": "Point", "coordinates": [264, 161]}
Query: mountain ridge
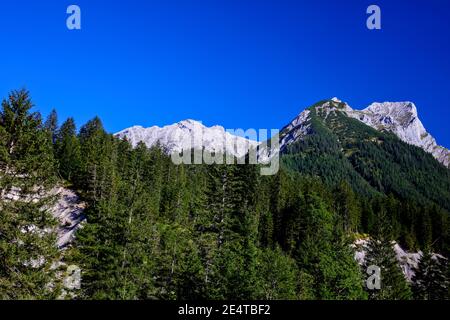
{"type": "Point", "coordinates": [188, 134]}
{"type": "Point", "coordinates": [399, 118]}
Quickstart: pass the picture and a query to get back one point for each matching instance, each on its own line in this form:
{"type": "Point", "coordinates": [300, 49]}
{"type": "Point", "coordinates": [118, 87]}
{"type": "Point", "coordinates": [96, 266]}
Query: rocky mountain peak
{"type": "Point", "coordinates": [401, 112]}
{"type": "Point", "coordinates": [335, 99]}
{"type": "Point", "coordinates": [189, 124]}
{"type": "Point", "coordinates": [188, 134]}
{"type": "Point", "coordinates": [400, 118]}
{"type": "Point", "coordinates": [332, 105]}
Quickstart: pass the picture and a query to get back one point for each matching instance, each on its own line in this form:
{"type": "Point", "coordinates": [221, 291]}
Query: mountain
{"type": "Point", "coordinates": [135, 225]}
{"type": "Point", "coordinates": [399, 118]}
{"type": "Point", "coordinates": [382, 149]}
{"type": "Point", "coordinates": [188, 134]}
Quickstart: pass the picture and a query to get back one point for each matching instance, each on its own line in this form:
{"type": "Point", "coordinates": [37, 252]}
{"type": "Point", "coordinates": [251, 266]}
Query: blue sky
{"type": "Point", "coordinates": [237, 63]}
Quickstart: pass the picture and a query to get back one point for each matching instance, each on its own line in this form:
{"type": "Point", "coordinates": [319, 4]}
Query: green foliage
{"type": "Point", "coordinates": [347, 154]}
{"type": "Point", "coordinates": [278, 275]}
{"type": "Point", "coordinates": [27, 239]}
{"type": "Point", "coordinates": [380, 253]}
{"type": "Point", "coordinates": [431, 278]}
{"type": "Point", "coordinates": [156, 230]}
{"type": "Point", "coordinates": [324, 254]}
{"type": "Point", "coordinates": [67, 150]}
{"type": "Point", "coordinates": [51, 125]}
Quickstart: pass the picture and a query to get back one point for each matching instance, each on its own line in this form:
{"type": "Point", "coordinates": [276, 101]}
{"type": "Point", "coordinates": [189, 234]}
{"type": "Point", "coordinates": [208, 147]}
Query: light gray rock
{"type": "Point", "coordinates": [186, 135]}
{"type": "Point", "coordinates": [399, 118]}
{"type": "Point", "coordinates": [68, 210]}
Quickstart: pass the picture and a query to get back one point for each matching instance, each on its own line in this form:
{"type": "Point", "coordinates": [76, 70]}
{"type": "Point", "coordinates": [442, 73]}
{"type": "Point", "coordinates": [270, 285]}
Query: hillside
{"type": "Point", "coordinates": [334, 145]}
{"type": "Point", "coordinates": [156, 230]}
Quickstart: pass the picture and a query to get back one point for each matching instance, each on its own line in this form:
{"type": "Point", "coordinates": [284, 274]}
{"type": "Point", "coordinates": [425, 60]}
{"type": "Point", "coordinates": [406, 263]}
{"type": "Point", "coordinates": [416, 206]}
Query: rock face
{"type": "Point", "coordinates": [408, 260]}
{"type": "Point", "coordinates": [298, 128]}
{"type": "Point", "coordinates": [399, 118]}
{"type": "Point", "coordinates": [68, 210]}
{"type": "Point", "coordinates": [188, 134]}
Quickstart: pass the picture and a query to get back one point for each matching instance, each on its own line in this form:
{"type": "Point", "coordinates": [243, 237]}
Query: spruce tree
{"type": "Point", "coordinates": [27, 229]}
{"type": "Point", "coordinates": [324, 255]}
{"type": "Point", "coordinates": [347, 207]}
{"type": "Point", "coordinates": [98, 244]}
{"type": "Point", "coordinates": [277, 275]}
{"type": "Point", "coordinates": [51, 125]}
{"type": "Point", "coordinates": [430, 281]}
{"type": "Point", "coordinates": [231, 225]}
{"type": "Point", "coordinates": [68, 151]}
{"type": "Point", "coordinates": [380, 253]}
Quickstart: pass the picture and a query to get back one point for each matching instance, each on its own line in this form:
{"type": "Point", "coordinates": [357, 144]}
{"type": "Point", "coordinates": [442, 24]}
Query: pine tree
{"type": "Point", "coordinates": [324, 255]}
{"type": "Point", "coordinates": [68, 151]}
{"type": "Point", "coordinates": [28, 241]}
{"type": "Point", "coordinates": [347, 207]}
{"type": "Point", "coordinates": [277, 275]}
{"type": "Point", "coordinates": [230, 232]}
{"type": "Point", "coordinates": [51, 125]}
{"type": "Point", "coordinates": [97, 172]}
{"type": "Point", "coordinates": [380, 252]}
{"type": "Point", "coordinates": [100, 242]}
{"type": "Point", "coordinates": [430, 281]}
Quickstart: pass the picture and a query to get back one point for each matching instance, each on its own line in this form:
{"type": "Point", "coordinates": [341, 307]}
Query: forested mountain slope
{"type": "Point", "coordinates": [156, 230]}
{"type": "Point", "coordinates": [338, 147]}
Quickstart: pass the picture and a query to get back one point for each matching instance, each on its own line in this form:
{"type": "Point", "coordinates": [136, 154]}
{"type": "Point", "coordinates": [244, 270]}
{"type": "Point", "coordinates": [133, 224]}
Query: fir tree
{"type": "Point", "coordinates": [68, 151]}
{"type": "Point", "coordinates": [380, 252]}
{"type": "Point", "coordinates": [347, 207]}
{"type": "Point", "coordinates": [28, 242]}
{"type": "Point", "coordinates": [277, 275]}
{"type": "Point", "coordinates": [51, 125]}
{"type": "Point", "coordinates": [430, 281]}
{"type": "Point", "coordinates": [325, 256]}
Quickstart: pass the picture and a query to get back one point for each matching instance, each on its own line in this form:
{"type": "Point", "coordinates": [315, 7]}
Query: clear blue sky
{"type": "Point", "coordinates": [238, 63]}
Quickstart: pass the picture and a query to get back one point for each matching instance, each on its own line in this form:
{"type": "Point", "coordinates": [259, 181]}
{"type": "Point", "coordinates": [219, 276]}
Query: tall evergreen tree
{"type": "Point", "coordinates": [430, 281]}
{"type": "Point", "coordinates": [68, 151]}
{"type": "Point", "coordinates": [347, 207]}
{"type": "Point", "coordinates": [380, 253]}
{"type": "Point", "coordinates": [325, 256]}
{"type": "Point", "coordinates": [27, 238]}
{"type": "Point", "coordinates": [51, 124]}
{"type": "Point", "coordinates": [277, 275]}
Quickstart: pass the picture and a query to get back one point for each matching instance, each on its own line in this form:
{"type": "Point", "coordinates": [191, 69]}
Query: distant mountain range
{"type": "Point", "coordinates": [399, 118]}
{"type": "Point", "coordinates": [188, 134]}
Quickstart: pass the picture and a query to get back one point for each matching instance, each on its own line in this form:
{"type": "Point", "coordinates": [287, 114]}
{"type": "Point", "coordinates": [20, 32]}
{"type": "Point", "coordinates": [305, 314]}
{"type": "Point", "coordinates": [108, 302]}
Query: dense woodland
{"type": "Point", "coordinates": [156, 230]}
